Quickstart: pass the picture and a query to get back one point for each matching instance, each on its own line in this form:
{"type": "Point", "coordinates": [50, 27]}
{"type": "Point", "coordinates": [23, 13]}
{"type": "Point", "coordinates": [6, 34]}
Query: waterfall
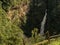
{"type": "Point", "coordinates": [43, 23]}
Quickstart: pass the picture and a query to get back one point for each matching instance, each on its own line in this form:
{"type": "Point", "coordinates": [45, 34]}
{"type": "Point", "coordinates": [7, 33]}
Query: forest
{"type": "Point", "coordinates": [29, 22]}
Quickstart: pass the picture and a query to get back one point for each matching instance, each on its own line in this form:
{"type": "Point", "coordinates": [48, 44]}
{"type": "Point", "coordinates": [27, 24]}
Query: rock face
{"type": "Point", "coordinates": [53, 18]}
{"type": "Point", "coordinates": [37, 12]}
{"type": "Point", "coordinates": [35, 15]}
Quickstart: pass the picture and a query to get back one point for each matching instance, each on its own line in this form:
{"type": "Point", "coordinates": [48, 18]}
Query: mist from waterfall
{"type": "Point", "coordinates": [43, 23]}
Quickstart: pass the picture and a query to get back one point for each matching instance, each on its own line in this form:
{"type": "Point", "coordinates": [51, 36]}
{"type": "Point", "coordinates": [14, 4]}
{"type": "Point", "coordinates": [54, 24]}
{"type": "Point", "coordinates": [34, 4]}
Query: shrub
{"type": "Point", "coordinates": [55, 42]}
{"type": "Point", "coordinates": [36, 37]}
{"type": "Point", "coordinates": [10, 34]}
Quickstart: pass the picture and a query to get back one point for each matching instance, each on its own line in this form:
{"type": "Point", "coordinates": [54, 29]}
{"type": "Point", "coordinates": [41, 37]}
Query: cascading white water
{"type": "Point", "coordinates": [43, 23]}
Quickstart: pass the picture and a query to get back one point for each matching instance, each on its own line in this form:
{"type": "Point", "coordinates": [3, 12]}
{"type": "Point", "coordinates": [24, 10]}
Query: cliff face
{"type": "Point", "coordinates": [53, 17]}
{"type": "Point", "coordinates": [35, 15]}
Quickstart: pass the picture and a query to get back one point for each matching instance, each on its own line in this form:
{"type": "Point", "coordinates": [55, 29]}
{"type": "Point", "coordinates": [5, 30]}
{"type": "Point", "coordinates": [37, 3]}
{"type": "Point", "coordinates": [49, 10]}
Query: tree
{"type": "Point", "coordinates": [10, 34]}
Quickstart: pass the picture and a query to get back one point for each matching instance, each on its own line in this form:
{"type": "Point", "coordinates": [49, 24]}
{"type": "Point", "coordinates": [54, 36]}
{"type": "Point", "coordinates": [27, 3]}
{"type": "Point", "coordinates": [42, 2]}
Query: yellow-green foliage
{"type": "Point", "coordinates": [55, 42]}
{"type": "Point", "coordinates": [10, 34]}
{"type": "Point", "coordinates": [36, 37]}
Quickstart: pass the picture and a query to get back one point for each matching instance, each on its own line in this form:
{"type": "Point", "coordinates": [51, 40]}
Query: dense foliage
{"type": "Point", "coordinates": [10, 34]}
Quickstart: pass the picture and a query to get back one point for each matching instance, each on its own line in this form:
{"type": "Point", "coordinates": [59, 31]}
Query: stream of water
{"type": "Point", "coordinates": [43, 23]}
